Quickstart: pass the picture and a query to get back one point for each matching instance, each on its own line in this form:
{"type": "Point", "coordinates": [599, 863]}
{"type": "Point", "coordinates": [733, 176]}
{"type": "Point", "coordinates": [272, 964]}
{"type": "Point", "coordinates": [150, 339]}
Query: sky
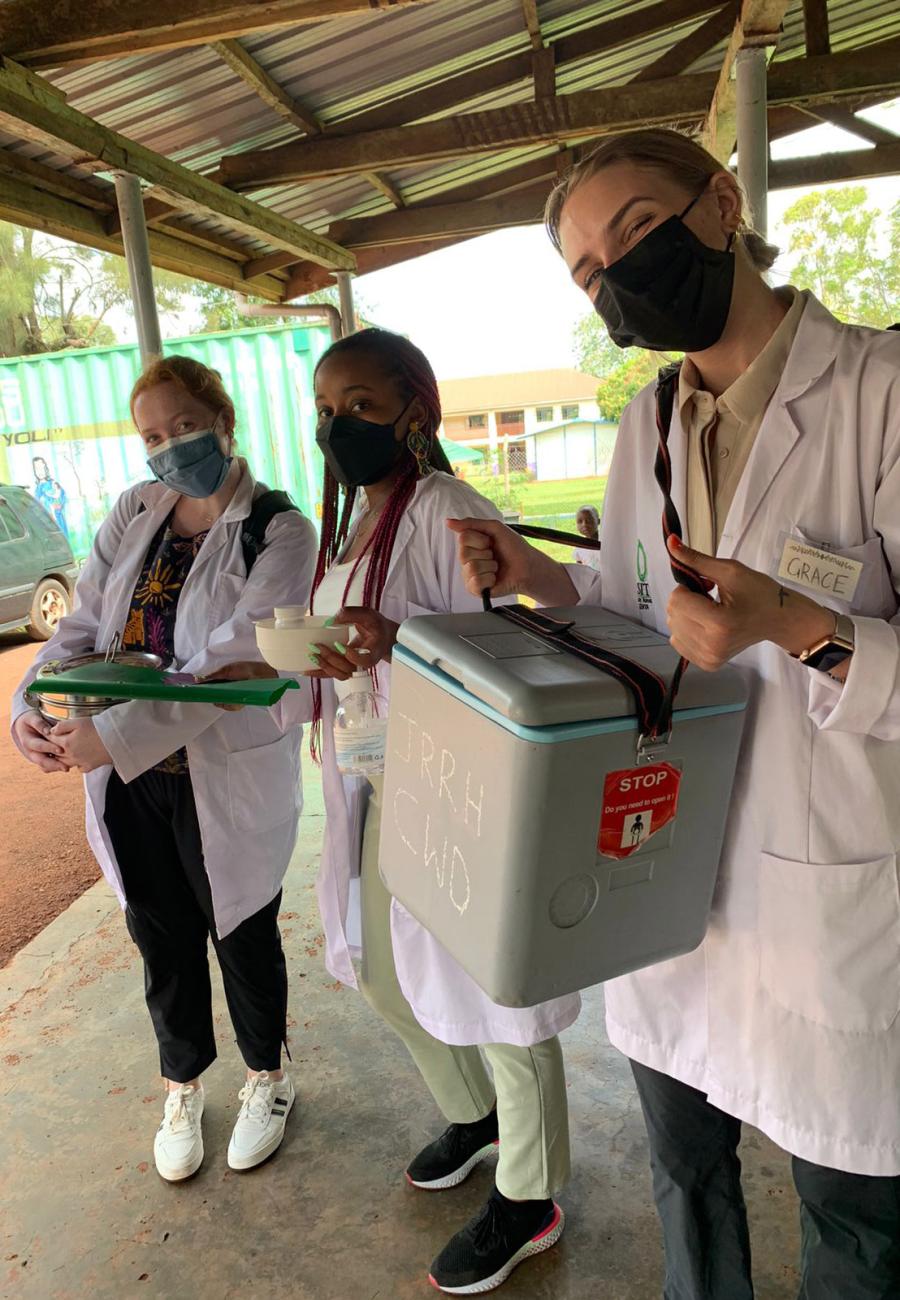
{"type": "Point", "coordinates": [504, 302]}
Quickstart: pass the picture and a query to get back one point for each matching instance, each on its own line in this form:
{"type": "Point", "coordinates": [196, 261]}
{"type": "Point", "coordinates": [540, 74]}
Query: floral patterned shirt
{"type": "Point", "coordinates": [154, 607]}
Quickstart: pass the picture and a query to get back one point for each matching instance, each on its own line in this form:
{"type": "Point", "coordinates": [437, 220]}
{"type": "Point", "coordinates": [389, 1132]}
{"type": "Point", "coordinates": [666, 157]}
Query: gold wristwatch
{"type": "Point", "coordinates": [832, 650]}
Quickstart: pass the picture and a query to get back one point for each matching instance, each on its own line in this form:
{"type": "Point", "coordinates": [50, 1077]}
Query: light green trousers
{"type": "Point", "coordinates": [529, 1082]}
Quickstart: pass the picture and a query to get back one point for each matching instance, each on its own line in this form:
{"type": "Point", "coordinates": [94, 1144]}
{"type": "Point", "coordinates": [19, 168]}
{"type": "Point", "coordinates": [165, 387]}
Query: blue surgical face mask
{"type": "Point", "coordinates": [193, 465]}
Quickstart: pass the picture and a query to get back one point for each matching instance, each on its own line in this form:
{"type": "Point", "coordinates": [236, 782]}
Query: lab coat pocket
{"type": "Point", "coordinates": [829, 939]}
{"type": "Point", "coordinates": [870, 589]}
{"type": "Point", "coordinates": [264, 783]}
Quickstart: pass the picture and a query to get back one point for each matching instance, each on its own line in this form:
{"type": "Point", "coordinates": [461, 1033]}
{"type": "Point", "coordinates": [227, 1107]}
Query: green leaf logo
{"type": "Point", "coordinates": [641, 562]}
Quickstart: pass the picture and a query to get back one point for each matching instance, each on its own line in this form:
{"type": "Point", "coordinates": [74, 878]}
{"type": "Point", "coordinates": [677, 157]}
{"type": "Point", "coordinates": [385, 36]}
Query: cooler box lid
{"type": "Point", "coordinates": [523, 680]}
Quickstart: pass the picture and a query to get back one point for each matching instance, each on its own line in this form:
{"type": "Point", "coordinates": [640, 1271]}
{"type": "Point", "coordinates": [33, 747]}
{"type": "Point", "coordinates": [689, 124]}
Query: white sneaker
{"type": "Point", "coordinates": [260, 1125]}
{"type": "Point", "coordinates": [178, 1147]}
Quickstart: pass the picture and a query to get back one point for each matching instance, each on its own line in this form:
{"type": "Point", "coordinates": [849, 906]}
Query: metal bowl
{"type": "Point", "coordinates": [55, 707]}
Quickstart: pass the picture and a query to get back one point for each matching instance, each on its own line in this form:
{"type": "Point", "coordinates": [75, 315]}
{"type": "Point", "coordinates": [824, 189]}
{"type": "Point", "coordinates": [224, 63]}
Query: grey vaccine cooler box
{"type": "Point", "coordinates": [500, 752]}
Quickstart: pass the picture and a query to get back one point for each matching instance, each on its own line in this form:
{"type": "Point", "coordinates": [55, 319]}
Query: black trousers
{"type": "Point", "coordinates": [850, 1223]}
{"type": "Point", "coordinates": [152, 823]}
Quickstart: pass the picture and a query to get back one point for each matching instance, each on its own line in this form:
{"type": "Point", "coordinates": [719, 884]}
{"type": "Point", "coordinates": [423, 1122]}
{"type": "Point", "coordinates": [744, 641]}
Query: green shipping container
{"type": "Point", "coordinates": [66, 431]}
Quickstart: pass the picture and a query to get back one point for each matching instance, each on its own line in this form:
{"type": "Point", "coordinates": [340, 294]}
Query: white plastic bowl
{"type": "Point", "coordinates": [287, 648]}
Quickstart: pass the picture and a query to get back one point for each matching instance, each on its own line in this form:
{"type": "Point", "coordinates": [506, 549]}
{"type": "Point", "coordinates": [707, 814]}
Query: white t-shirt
{"type": "Point", "coordinates": [589, 558]}
{"type": "Point", "coordinates": [330, 598]}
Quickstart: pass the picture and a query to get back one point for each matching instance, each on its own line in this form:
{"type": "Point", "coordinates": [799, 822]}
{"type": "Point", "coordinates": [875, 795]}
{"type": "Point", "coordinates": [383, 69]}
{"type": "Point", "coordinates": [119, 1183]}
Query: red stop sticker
{"type": "Point", "coordinates": [637, 802]}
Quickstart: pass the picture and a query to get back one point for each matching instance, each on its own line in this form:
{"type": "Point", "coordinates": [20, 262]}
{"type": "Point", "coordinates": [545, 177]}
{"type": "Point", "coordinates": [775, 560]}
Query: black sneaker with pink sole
{"type": "Point", "coordinates": [498, 1239]}
{"type": "Point", "coordinates": [450, 1159]}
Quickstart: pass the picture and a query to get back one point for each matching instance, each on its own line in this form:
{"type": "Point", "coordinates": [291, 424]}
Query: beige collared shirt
{"type": "Point", "coordinates": [721, 431]}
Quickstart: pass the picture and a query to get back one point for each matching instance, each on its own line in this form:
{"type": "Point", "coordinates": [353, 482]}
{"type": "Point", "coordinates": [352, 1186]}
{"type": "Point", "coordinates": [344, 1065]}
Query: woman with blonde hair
{"type": "Point", "coordinates": [777, 444]}
{"type": "Point", "coordinates": [192, 812]}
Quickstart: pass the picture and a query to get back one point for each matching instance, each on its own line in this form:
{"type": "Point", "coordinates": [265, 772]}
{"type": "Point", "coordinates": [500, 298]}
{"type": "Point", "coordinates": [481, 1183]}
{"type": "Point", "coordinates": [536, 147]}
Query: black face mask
{"type": "Point", "coordinates": [359, 452]}
{"type": "Point", "coordinates": [668, 293]}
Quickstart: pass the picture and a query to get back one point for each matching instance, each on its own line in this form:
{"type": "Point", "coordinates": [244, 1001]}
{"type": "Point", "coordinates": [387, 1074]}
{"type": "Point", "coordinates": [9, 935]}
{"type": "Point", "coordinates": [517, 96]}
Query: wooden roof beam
{"type": "Point", "coordinates": [286, 106]}
{"type": "Point", "coordinates": [270, 262]}
{"type": "Point", "coordinates": [585, 113]}
{"type": "Point", "coordinates": [533, 24]}
{"type": "Point", "coordinates": [871, 73]}
{"type": "Point", "coordinates": [494, 184]}
{"type": "Point", "coordinates": [783, 120]}
{"type": "Point", "coordinates": [828, 168]}
{"type": "Point", "coordinates": [101, 198]}
{"type": "Point", "coordinates": [522, 208]}
{"type": "Point", "coordinates": [848, 121]}
{"type": "Point", "coordinates": [307, 277]}
{"type": "Point", "coordinates": [543, 60]}
{"type": "Point", "coordinates": [788, 119]}
{"type": "Point", "coordinates": [27, 109]}
{"type": "Point", "coordinates": [70, 32]}
{"type": "Point", "coordinates": [758, 23]}
{"type": "Point", "coordinates": [505, 72]}
{"type": "Point", "coordinates": [267, 88]}
{"type": "Point", "coordinates": [871, 70]}
{"type": "Point", "coordinates": [27, 205]}
{"type": "Point", "coordinates": [691, 47]}
{"type": "Point", "coordinates": [815, 23]}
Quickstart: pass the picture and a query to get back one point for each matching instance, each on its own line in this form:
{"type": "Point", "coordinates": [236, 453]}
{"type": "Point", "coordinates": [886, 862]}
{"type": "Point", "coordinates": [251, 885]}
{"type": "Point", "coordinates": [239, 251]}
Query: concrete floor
{"type": "Point", "coordinates": [84, 1214]}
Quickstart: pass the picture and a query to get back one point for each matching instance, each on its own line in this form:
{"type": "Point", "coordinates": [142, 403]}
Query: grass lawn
{"type": "Point", "coordinates": [554, 505]}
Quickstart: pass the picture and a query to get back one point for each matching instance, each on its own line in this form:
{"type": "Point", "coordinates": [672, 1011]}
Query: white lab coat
{"type": "Point", "coordinates": [244, 766]}
{"type": "Point", "coordinates": [424, 578]}
{"type": "Point", "coordinates": [788, 1014]}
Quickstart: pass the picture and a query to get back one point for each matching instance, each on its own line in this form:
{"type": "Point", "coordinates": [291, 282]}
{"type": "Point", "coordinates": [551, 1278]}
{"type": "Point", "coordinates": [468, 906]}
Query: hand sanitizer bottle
{"type": "Point", "coordinates": [360, 729]}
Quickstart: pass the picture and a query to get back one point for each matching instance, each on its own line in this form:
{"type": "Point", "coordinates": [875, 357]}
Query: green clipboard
{"type": "Point", "coordinates": [128, 682]}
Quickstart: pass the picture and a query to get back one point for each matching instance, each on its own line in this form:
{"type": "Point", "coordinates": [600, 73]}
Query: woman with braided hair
{"type": "Point", "coordinates": [385, 555]}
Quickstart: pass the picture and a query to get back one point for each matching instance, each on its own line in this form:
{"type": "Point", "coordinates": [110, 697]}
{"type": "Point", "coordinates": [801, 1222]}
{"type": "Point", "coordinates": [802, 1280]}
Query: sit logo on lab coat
{"type": "Point", "coordinates": [644, 599]}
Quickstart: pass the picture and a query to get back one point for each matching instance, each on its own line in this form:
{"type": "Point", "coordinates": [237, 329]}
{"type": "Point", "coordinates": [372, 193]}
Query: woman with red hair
{"type": "Point", "coordinates": [385, 555]}
{"type": "Point", "coordinates": [192, 812]}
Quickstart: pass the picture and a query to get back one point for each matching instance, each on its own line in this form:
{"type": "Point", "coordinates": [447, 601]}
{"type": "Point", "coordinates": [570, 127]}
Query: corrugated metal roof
{"type": "Point", "coordinates": [189, 105]}
{"type": "Point", "coordinates": [510, 391]}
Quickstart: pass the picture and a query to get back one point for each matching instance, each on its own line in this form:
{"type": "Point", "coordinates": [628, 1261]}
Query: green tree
{"type": "Point", "coordinates": [626, 381]}
{"type": "Point", "coordinates": [21, 267]}
{"type": "Point", "coordinates": [57, 295]}
{"type": "Point", "coordinates": [847, 253]}
{"type": "Point", "coordinates": [595, 352]}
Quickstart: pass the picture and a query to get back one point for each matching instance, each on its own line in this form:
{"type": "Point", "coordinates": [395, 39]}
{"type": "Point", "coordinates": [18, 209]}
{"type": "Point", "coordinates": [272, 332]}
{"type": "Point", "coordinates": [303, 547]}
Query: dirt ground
{"type": "Point", "coordinates": [45, 862]}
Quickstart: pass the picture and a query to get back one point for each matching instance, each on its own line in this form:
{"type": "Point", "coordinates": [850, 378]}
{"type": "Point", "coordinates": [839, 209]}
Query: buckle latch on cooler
{"type": "Point", "coordinates": [649, 747]}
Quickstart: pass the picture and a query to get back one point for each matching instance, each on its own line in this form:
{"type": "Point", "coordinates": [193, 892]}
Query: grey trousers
{"type": "Point", "coordinates": [850, 1222]}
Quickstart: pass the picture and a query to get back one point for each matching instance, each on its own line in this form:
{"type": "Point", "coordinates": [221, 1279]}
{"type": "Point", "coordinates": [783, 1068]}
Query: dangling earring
{"type": "Point", "coordinates": [420, 445]}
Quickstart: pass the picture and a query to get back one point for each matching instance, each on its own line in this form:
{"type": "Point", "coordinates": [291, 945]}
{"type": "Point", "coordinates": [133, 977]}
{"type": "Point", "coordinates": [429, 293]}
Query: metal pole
{"type": "Point", "coordinates": [317, 311]}
{"type": "Point", "coordinates": [753, 132]}
{"type": "Point", "coordinates": [345, 296]}
{"type": "Point", "coordinates": [140, 271]}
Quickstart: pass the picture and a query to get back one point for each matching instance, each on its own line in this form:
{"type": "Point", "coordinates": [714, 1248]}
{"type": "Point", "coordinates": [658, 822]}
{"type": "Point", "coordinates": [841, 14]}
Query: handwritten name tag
{"type": "Point", "coordinates": [825, 572]}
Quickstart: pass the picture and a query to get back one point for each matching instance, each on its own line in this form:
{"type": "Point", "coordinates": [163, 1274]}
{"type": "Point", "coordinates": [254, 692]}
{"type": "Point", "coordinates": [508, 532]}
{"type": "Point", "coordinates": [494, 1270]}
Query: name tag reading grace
{"type": "Point", "coordinates": [825, 572]}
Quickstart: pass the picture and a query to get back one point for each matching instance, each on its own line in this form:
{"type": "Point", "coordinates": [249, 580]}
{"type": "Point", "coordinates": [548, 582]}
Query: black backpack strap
{"type": "Point", "coordinates": [262, 512]}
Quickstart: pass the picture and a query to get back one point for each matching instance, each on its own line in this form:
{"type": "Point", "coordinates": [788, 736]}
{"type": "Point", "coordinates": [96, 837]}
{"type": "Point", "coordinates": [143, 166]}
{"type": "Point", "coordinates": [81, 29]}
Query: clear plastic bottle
{"type": "Point", "coordinates": [360, 729]}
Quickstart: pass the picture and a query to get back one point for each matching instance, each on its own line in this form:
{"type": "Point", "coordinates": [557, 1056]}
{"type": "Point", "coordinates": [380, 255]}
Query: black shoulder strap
{"type": "Point", "coordinates": [654, 698]}
{"type": "Point", "coordinates": [666, 388]}
{"type": "Point", "coordinates": [262, 512]}
{"type": "Point", "coordinates": [554, 535]}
